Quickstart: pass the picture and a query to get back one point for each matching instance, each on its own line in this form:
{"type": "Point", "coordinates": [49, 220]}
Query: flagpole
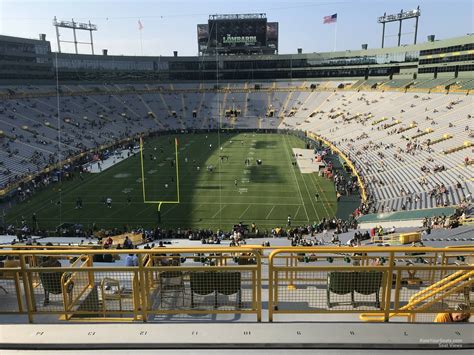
{"type": "Point", "coordinates": [141, 42]}
{"type": "Point", "coordinates": [140, 28]}
{"type": "Point", "coordinates": [335, 37]}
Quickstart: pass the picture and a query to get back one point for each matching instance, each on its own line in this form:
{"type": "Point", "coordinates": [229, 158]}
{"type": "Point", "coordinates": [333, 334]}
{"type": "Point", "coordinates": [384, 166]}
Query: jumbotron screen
{"type": "Point", "coordinates": [238, 33]}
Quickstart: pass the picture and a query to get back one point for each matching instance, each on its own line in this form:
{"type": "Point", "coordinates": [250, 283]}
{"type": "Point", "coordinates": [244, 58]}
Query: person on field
{"type": "Point", "coordinates": [79, 203]}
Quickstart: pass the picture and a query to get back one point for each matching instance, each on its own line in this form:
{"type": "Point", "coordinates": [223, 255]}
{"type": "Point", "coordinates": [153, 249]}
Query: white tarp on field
{"type": "Point", "coordinates": [306, 160]}
{"type": "Point", "coordinates": [114, 158]}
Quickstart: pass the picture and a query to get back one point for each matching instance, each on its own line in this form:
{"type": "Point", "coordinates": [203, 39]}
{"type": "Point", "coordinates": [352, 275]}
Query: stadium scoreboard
{"type": "Point", "coordinates": [238, 34]}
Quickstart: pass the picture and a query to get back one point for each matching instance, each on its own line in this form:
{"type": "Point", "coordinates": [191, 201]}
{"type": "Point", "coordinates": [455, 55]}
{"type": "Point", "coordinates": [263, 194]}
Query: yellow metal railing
{"type": "Point", "coordinates": [69, 280]}
{"type": "Point", "coordinates": [460, 280]}
{"type": "Point", "coordinates": [381, 282]}
{"type": "Point", "coordinates": [376, 283]}
{"type": "Point", "coordinates": [204, 280]}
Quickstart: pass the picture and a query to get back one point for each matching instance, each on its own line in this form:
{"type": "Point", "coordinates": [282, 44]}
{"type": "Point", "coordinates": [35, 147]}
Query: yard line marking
{"type": "Point", "coordinates": [71, 188]}
{"type": "Point", "coordinates": [168, 211]}
{"type": "Point", "coordinates": [205, 220]}
{"type": "Point", "coordinates": [309, 195]}
{"type": "Point", "coordinates": [220, 209]}
{"type": "Point", "coordinates": [149, 213]}
{"type": "Point", "coordinates": [186, 203]}
{"type": "Point", "coordinates": [324, 199]}
{"type": "Point", "coordinates": [294, 175]}
{"type": "Point", "coordinates": [297, 212]}
{"type": "Point", "coordinates": [143, 210]}
{"type": "Point", "coordinates": [268, 215]}
{"type": "Point", "coordinates": [117, 211]}
{"type": "Point", "coordinates": [245, 211]}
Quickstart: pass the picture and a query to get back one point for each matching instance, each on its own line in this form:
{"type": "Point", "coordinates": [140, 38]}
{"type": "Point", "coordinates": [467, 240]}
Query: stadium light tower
{"type": "Point", "coordinates": [403, 15]}
{"type": "Point", "coordinates": [74, 26]}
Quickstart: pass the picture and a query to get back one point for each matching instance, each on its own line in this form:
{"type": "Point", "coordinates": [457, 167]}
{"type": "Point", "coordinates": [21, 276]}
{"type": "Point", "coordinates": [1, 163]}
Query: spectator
{"type": "Point", "coordinates": [131, 260]}
{"type": "Point", "coordinates": [108, 243]}
{"type": "Point", "coordinates": [127, 243]}
{"type": "Point", "coordinates": [462, 314]}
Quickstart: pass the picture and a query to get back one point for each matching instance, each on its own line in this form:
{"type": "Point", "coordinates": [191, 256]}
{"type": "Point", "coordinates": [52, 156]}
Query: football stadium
{"type": "Point", "coordinates": [241, 198]}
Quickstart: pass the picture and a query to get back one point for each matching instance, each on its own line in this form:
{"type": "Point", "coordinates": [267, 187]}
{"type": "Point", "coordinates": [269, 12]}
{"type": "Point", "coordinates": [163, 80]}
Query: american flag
{"type": "Point", "coordinates": [330, 19]}
{"type": "Point", "coordinates": [140, 26]}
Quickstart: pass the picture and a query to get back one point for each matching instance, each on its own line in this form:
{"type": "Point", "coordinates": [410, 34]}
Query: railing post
{"type": "Point", "coordinates": [142, 288]}
{"type": "Point", "coordinates": [18, 292]}
{"type": "Point", "coordinates": [26, 285]}
{"type": "Point", "coordinates": [65, 298]}
{"type": "Point", "coordinates": [434, 262]}
{"type": "Point", "coordinates": [388, 294]}
{"type": "Point", "coordinates": [276, 282]}
{"type": "Point", "coordinates": [90, 263]}
{"type": "Point", "coordinates": [397, 291]}
{"type": "Point", "coordinates": [254, 289]}
{"type": "Point", "coordinates": [259, 286]}
{"type": "Point", "coordinates": [270, 287]}
{"type": "Point", "coordinates": [135, 296]}
{"type": "Point", "coordinates": [293, 264]}
{"type": "Point", "coordinates": [443, 263]}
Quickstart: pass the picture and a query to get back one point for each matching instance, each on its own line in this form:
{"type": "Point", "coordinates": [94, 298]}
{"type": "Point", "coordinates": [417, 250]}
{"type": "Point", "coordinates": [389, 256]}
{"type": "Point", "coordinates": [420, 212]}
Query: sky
{"type": "Point", "coordinates": [171, 25]}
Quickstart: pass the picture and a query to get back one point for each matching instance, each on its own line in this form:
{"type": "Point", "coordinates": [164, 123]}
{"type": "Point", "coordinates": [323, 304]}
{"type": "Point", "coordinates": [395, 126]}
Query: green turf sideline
{"type": "Point", "coordinates": [264, 194]}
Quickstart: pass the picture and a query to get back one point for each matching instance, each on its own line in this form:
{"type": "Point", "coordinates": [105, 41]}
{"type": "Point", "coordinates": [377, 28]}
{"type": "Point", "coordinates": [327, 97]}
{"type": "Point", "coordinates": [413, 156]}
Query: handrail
{"type": "Point", "coordinates": [435, 285]}
{"type": "Point", "coordinates": [444, 295]}
{"type": "Point", "coordinates": [286, 273]}
{"type": "Point", "coordinates": [414, 300]}
{"type": "Point", "coordinates": [373, 250]}
{"type": "Point", "coordinates": [155, 250]}
{"type": "Point", "coordinates": [436, 290]}
{"type": "Point", "coordinates": [289, 277]}
{"type": "Point", "coordinates": [48, 247]}
{"type": "Point", "coordinates": [44, 250]}
{"type": "Point", "coordinates": [67, 282]}
{"type": "Point", "coordinates": [79, 280]}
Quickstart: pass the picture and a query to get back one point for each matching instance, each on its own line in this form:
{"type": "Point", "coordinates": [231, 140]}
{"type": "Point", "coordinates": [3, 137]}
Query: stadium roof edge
{"type": "Point", "coordinates": [346, 53]}
{"type": "Point", "coordinates": [20, 39]}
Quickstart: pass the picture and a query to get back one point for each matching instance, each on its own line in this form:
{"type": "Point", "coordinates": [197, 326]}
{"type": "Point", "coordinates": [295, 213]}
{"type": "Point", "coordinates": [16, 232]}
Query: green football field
{"type": "Point", "coordinates": [264, 194]}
